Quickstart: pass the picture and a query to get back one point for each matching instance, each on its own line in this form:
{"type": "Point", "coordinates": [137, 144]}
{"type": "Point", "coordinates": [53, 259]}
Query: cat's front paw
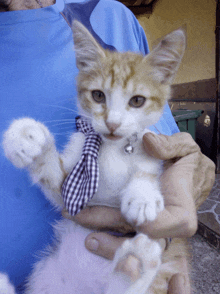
{"type": "Point", "coordinates": [139, 206]}
{"type": "Point", "coordinates": [25, 141]}
{"type": "Point", "coordinates": [5, 286]}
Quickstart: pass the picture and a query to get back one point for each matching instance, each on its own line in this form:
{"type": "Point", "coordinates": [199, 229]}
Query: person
{"type": "Point", "coordinates": [37, 77]}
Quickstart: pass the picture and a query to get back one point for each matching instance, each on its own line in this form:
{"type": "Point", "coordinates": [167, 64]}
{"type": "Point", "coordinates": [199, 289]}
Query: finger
{"type": "Point", "coordinates": [177, 285]}
{"type": "Point", "coordinates": [192, 166]}
{"type": "Point", "coordinates": [101, 218]}
{"type": "Point", "coordinates": [168, 147]}
{"type": "Point", "coordinates": [204, 179]}
{"type": "Point", "coordinates": [103, 244]}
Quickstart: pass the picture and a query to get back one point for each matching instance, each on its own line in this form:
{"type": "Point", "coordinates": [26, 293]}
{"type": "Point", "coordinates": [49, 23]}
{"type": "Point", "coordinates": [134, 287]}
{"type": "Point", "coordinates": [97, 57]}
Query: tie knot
{"type": "Point", "coordinates": [93, 139]}
{"type": "Point", "coordinates": [83, 125]}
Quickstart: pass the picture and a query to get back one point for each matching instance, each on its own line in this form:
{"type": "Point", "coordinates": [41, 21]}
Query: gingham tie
{"type": "Point", "coordinates": [82, 183]}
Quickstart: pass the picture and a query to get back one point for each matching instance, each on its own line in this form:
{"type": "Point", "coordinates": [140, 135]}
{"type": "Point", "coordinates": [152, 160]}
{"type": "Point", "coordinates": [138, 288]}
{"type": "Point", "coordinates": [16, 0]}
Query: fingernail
{"type": "Point", "coordinates": [92, 244]}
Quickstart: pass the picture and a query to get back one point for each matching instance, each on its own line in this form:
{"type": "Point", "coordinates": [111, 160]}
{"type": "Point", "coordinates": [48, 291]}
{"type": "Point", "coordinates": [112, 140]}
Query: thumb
{"type": "Point", "coordinates": [168, 147]}
{"type": "Point", "coordinates": [177, 285]}
{"type": "Point", "coordinates": [103, 244]}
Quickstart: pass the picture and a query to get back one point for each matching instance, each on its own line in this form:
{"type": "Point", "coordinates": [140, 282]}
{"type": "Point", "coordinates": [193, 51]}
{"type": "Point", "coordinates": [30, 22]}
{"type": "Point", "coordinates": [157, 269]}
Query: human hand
{"type": "Point", "coordinates": [186, 182]}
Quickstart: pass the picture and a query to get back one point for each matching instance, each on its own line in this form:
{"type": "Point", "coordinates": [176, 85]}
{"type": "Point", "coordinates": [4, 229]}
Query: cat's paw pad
{"type": "Point", "coordinates": [25, 140]}
{"type": "Point", "coordinates": [5, 286]}
{"type": "Point", "coordinates": [137, 257]}
{"type": "Point", "coordinates": [137, 210]}
{"type": "Point", "coordinates": [131, 266]}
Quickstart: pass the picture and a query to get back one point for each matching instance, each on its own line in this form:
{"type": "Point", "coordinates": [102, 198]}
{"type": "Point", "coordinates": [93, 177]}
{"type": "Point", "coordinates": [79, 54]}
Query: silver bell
{"type": "Point", "coordinates": [129, 149]}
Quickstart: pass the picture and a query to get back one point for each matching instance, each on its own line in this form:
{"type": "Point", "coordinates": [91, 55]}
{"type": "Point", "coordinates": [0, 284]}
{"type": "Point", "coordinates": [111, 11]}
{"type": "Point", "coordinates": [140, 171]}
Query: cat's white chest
{"type": "Point", "coordinates": [114, 167]}
{"type": "Point", "coordinates": [114, 173]}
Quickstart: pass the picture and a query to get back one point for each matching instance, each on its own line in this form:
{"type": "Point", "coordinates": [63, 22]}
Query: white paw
{"type": "Point", "coordinates": [25, 140]}
{"type": "Point", "coordinates": [141, 259]}
{"type": "Point", "coordinates": [137, 210]}
{"type": "Point", "coordinates": [5, 286]}
{"type": "Point", "coordinates": [145, 249]}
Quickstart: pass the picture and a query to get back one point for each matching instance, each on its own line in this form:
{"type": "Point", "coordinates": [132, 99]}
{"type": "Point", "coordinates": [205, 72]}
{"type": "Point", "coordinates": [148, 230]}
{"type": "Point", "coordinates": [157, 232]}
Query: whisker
{"type": "Point", "coordinates": [67, 123]}
{"type": "Point", "coordinates": [66, 108]}
{"type": "Point", "coordinates": [59, 120]}
{"type": "Point", "coordinates": [62, 107]}
{"type": "Point", "coordinates": [64, 133]}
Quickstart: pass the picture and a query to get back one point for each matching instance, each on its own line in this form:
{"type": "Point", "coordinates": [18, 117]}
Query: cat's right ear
{"type": "Point", "coordinates": [87, 50]}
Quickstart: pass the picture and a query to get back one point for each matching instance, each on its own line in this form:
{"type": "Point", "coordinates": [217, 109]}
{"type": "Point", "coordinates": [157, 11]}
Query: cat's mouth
{"type": "Point", "coordinates": [112, 137]}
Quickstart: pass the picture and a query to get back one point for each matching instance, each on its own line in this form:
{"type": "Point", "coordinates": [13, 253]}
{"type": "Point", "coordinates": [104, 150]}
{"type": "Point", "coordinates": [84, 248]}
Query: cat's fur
{"type": "Point", "coordinates": [126, 181]}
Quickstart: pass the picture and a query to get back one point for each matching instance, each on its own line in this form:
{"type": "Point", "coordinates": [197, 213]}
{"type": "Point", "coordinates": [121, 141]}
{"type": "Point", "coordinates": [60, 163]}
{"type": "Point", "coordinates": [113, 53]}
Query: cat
{"type": "Point", "coordinates": [121, 94]}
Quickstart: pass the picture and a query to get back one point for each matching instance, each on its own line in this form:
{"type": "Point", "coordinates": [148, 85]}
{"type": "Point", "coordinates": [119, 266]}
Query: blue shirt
{"type": "Point", "coordinates": [37, 77]}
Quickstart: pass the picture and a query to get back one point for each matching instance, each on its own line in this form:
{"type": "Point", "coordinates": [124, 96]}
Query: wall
{"type": "Point", "coordinates": [199, 18]}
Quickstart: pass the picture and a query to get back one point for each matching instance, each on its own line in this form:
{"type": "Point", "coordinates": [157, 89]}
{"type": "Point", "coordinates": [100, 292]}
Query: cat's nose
{"type": "Point", "coordinates": [112, 126]}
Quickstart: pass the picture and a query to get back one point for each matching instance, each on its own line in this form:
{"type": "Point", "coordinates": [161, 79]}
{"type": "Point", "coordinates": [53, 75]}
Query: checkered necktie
{"type": "Point", "coordinates": [82, 183]}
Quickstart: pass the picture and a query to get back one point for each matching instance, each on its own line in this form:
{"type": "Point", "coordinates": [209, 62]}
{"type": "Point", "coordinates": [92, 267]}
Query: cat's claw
{"type": "Point", "coordinates": [25, 140]}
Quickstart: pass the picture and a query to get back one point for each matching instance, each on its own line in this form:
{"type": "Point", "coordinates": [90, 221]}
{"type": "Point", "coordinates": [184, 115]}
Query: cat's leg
{"type": "Point", "coordinates": [136, 264]}
{"type": "Point", "coordinates": [73, 151]}
{"type": "Point", "coordinates": [29, 144]}
{"type": "Point", "coordinates": [5, 286]}
{"type": "Point", "coordinates": [142, 200]}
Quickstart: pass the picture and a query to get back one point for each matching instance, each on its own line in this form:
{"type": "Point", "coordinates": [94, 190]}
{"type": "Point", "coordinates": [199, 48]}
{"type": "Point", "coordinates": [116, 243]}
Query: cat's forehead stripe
{"type": "Point", "coordinates": [121, 69]}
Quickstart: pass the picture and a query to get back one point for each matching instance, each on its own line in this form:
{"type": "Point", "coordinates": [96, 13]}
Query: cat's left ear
{"type": "Point", "coordinates": [87, 50]}
{"type": "Point", "coordinates": [166, 57]}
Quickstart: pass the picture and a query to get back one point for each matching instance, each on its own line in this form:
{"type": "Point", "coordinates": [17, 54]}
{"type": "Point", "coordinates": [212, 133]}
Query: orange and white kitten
{"type": "Point", "coordinates": [122, 94]}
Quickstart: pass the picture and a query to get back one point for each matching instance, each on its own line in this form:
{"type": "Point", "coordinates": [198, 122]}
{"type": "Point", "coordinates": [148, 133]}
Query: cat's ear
{"type": "Point", "coordinates": [166, 57]}
{"type": "Point", "coordinates": [87, 50]}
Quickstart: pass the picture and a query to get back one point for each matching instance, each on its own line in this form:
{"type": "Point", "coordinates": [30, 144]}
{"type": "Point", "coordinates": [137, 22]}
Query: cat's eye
{"type": "Point", "coordinates": [98, 96]}
{"type": "Point", "coordinates": [137, 101]}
